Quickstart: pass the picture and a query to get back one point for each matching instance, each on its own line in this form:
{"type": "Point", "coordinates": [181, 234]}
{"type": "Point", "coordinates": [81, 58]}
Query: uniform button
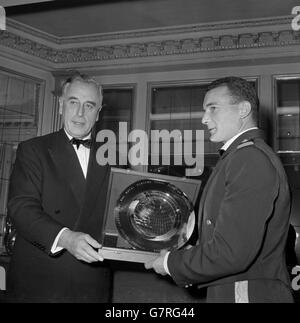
{"type": "Point", "coordinates": [208, 222]}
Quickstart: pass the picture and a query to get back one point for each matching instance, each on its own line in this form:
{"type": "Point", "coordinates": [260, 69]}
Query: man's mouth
{"type": "Point", "coordinates": [78, 123]}
{"type": "Point", "coordinates": [212, 130]}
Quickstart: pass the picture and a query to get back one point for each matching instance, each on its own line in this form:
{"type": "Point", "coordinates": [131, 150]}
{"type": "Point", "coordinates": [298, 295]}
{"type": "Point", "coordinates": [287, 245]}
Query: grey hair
{"type": "Point", "coordinates": [84, 79]}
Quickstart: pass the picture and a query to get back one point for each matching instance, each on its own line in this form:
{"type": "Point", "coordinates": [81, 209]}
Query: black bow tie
{"type": "Point", "coordinates": [86, 143]}
{"type": "Point", "coordinates": [221, 151]}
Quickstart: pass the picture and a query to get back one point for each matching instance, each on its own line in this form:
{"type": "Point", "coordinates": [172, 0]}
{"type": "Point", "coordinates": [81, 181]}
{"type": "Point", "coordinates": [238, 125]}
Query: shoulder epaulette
{"type": "Point", "coordinates": [245, 144]}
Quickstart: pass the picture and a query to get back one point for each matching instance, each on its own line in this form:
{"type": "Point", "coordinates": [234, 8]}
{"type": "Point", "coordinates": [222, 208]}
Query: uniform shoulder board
{"type": "Point", "coordinates": [245, 143]}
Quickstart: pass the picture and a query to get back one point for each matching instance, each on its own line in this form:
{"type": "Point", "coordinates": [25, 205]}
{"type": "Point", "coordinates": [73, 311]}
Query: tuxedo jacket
{"type": "Point", "coordinates": [48, 192]}
{"type": "Point", "coordinates": [243, 224]}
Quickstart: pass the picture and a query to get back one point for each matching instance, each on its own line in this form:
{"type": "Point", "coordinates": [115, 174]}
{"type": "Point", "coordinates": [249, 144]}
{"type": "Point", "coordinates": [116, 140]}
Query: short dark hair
{"type": "Point", "coordinates": [240, 90]}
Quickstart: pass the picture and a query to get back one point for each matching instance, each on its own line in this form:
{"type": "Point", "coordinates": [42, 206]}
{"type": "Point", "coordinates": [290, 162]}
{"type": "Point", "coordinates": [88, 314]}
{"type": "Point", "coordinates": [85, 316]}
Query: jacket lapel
{"type": "Point", "coordinates": [94, 184]}
{"type": "Point", "coordinates": [68, 166]}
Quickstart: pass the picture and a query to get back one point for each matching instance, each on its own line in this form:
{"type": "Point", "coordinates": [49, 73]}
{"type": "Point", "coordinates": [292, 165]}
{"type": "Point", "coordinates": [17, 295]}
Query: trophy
{"type": "Point", "coordinates": [147, 213]}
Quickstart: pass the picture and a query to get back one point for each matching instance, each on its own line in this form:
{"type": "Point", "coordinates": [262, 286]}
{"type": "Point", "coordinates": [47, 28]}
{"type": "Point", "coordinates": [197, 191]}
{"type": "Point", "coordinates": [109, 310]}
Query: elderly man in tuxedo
{"type": "Point", "coordinates": [56, 202]}
{"type": "Point", "coordinates": [244, 209]}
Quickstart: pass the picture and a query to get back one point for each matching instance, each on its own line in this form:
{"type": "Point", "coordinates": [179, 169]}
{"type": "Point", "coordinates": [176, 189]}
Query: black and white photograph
{"type": "Point", "coordinates": [150, 154]}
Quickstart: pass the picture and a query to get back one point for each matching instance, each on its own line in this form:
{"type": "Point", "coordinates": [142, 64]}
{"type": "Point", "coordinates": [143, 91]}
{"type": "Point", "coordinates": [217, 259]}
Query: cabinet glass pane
{"type": "Point", "coordinates": [180, 108]}
{"type": "Point", "coordinates": [192, 124]}
{"type": "Point", "coordinates": [117, 107]}
{"type": "Point", "coordinates": [19, 106]}
{"type": "Point", "coordinates": [287, 97]}
{"type": "Point", "coordinates": [177, 99]}
{"type": "Point", "coordinates": [287, 108]}
{"type": "Point", "coordinates": [18, 100]}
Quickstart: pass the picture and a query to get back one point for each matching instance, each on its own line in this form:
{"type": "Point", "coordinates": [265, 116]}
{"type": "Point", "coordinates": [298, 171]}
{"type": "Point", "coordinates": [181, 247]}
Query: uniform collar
{"type": "Point", "coordinates": [249, 135]}
{"type": "Point", "coordinates": [230, 141]}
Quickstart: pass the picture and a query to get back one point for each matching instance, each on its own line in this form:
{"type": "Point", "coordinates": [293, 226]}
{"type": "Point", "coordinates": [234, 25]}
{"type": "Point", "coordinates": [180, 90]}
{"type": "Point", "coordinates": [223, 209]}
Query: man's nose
{"type": "Point", "coordinates": [205, 118]}
{"type": "Point", "coordinates": [80, 110]}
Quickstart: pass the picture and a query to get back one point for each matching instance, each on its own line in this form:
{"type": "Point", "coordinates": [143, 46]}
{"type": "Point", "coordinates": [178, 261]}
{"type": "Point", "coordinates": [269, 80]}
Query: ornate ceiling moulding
{"type": "Point", "coordinates": [236, 39]}
{"type": "Point", "coordinates": [163, 31]}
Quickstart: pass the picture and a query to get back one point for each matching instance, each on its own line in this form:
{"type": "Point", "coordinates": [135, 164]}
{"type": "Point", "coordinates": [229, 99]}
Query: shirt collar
{"type": "Point", "coordinates": [70, 137]}
{"type": "Point", "coordinates": [231, 140]}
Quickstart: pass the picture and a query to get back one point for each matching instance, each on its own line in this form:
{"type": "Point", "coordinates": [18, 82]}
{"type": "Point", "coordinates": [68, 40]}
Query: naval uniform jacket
{"type": "Point", "coordinates": [48, 191]}
{"type": "Point", "coordinates": [243, 224]}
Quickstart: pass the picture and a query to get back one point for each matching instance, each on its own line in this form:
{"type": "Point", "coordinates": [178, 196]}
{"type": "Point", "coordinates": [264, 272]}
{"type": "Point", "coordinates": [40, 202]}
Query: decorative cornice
{"type": "Point", "coordinates": [163, 31]}
{"type": "Point", "coordinates": [142, 44]}
{"type": "Point", "coordinates": [150, 49]}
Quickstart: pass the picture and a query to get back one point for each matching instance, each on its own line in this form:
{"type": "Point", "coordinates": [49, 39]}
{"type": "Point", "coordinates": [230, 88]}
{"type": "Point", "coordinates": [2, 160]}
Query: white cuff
{"type": "Point", "coordinates": [54, 248]}
{"type": "Point", "coordinates": [166, 263]}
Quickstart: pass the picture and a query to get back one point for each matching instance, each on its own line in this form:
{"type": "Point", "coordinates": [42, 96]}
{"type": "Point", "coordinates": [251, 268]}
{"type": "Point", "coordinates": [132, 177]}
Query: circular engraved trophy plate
{"type": "Point", "coordinates": [153, 215]}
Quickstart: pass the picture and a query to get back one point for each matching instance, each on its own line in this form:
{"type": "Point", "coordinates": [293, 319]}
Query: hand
{"type": "Point", "coordinates": [157, 264]}
{"type": "Point", "coordinates": [81, 246]}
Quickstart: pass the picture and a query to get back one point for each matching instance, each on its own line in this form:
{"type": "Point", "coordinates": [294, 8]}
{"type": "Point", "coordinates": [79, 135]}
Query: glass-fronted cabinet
{"type": "Point", "coordinates": [21, 100]}
{"type": "Point", "coordinates": [179, 107]}
{"type": "Point", "coordinates": [287, 107]}
{"type": "Point", "coordinates": [117, 110]}
{"type": "Point", "coordinates": [287, 123]}
{"type": "Point", "coordinates": [287, 110]}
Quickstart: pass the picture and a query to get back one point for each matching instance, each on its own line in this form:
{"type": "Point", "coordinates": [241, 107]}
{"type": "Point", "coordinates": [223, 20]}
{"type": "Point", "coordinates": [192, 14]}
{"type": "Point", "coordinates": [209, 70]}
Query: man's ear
{"type": "Point", "coordinates": [244, 109]}
{"type": "Point", "coordinates": [97, 117]}
{"type": "Point", "coordinates": [98, 113]}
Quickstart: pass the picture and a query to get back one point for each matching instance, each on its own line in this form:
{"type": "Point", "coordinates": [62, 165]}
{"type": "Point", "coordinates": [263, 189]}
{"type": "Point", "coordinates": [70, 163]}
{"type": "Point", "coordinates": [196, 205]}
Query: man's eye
{"type": "Point", "coordinates": [89, 106]}
{"type": "Point", "coordinates": [73, 102]}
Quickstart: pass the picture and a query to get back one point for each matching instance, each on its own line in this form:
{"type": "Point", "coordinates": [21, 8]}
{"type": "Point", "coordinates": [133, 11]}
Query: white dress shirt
{"type": "Point", "coordinates": [83, 154]}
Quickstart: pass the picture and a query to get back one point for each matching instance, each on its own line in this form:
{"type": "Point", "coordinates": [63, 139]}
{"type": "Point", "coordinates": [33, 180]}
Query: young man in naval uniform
{"type": "Point", "coordinates": [244, 209]}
